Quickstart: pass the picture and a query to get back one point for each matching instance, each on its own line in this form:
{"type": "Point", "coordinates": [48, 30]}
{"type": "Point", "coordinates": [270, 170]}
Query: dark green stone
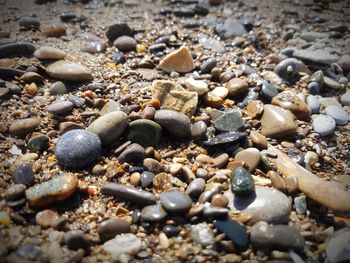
{"type": "Point", "coordinates": [38, 143]}
{"type": "Point", "coordinates": [144, 132]}
{"type": "Point", "coordinates": [241, 182]}
{"type": "Point", "coordinates": [264, 162]}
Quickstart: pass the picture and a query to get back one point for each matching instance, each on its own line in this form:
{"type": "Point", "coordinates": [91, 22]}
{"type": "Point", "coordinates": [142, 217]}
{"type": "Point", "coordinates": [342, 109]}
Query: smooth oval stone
{"type": "Point", "coordinates": [24, 174]}
{"type": "Point", "coordinates": [46, 218]}
{"type": "Point", "coordinates": [147, 179]}
{"type": "Point", "coordinates": [176, 123]}
{"type": "Point", "coordinates": [135, 195]}
{"type": "Point", "coordinates": [265, 204]}
{"type": "Point", "coordinates": [15, 192]}
{"type": "Point", "coordinates": [49, 53]}
{"type": "Point", "coordinates": [134, 153]}
{"type": "Point", "coordinates": [229, 122]}
{"type": "Point", "coordinates": [78, 148]}
{"type": "Point", "coordinates": [276, 237]}
{"type": "Point", "coordinates": [198, 130]}
{"type": "Point", "coordinates": [215, 212]}
{"type": "Point", "coordinates": [125, 43]}
{"type": "Point", "coordinates": [109, 228]}
{"type": "Point", "coordinates": [38, 142]}
{"type": "Point", "coordinates": [237, 86]}
{"type": "Point", "coordinates": [22, 127]}
{"type": "Point", "coordinates": [94, 47]}
{"type": "Point", "coordinates": [314, 88]}
{"type": "Point", "coordinates": [268, 90]}
{"type": "Point", "coordinates": [242, 182]}
{"type": "Point", "coordinates": [76, 239]}
{"type": "Point", "coordinates": [30, 77]}
{"type": "Point", "coordinates": [60, 107]}
{"type": "Point", "coordinates": [77, 101]}
{"type": "Point", "coordinates": [277, 122]}
{"type": "Point", "coordinates": [56, 189]}
{"type": "Point", "coordinates": [10, 73]}
{"type": "Point", "coordinates": [202, 234]}
{"type": "Point", "coordinates": [208, 65]}
{"type": "Point", "coordinates": [288, 69]}
{"type": "Point", "coordinates": [345, 98]}
{"type": "Point", "coordinates": [118, 29]}
{"type": "Point", "coordinates": [55, 30]}
{"type": "Point", "coordinates": [110, 106]}
{"type": "Point", "coordinates": [58, 88]}
{"type": "Point", "coordinates": [4, 93]}
{"type": "Point", "coordinates": [250, 156]}
{"type": "Point", "coordinates": [170, 230]}
{"type": "Point", "coordinates": [152, 165]}
{"type": "Point", "coordinates": [255, 108]}
{"type": "Point", "coordinates": [125, 244]}
{"type": "Point", "coordinates": [68, 126]}
{"type": "Point", "coordinates": [175, 201]}
{"type": "Point", "coordinates": [323, 124]}
{"type": "Point", "coordinates": [337, 246]}
{"type": "Point", "coordinates": [16, 49]}
{"type": "Point", "coordinates": [313, 103]}
{"type": "Point", "coordinates": [338, 114]}
{"type": "Point", "coordinates": [144, 132]}
{"type": "Point", "coordinates": [198, 86]}
{"type": "Point", "coordinates": [110, 126]}
{"type": "Point", "coordinates": [153, 213]}
{"type": "Point", "coordinates": [196, 187]}
{"type": "Point", "coordinates": [234, 231]}
{"type": "Point", "coordinates": [29, 22]}
{"type": "Point", "coordinates": [258, 140]}
{"type": "Point", "coordinates": [70, 71]}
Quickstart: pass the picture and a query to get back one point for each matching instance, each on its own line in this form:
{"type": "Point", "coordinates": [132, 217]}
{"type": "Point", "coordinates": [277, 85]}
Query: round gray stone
{"type": "Point", "coordinates": [338, 114]}
{"type": "Point", "coordinates": [324, 125]}
{"type": "Point", "coordinates": [153, 213]}
{"type": "Point", "coordinates": [176, 123]}
{"type": "Point", "coordinates": [60, 107]}
{"type": "Point", "coordinates": [175, 201]}
{"type": "Point", "coordinates": [313, 103]}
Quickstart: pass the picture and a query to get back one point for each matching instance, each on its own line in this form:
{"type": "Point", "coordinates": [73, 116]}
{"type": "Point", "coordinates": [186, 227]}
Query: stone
{"type": "Point", "coordinates": [344, 62]}
{"type": "Point", "coordinates": [4, 93]}
{"type": "Point", "coordinates": [147, 179]}
{"type": "Point", "coordinates": [323, 124]}
{"type": "Point", "coordinates": [277, 122]}
{"type": "Point", "coordinates": [24, 175]}
{"type": "Point", "coordinates": [229, 122]}
{"type": "Point", "coordinates": [49, 53]}
{"type": "Point", "coordinates": [325, 102]}
{"type": "Point", "coordinates": [56, 30]}
{"type": "Point", "coordinates": [47, 218]}
{"type": "Point", "coordinates": [198, 130]}
{"type": "Point", "coordinates": [118, 29]}
{"type": "Point", "coordinates": [221, 160]}
{"type": "Point", "coordinates": [313, 104]}
{"type": "Point", "coordinates": [67, 70]}
{"type": "Point", "coordinates": [76, 239]}
{"type": "Point", "coordinates": [172, 96]}
{"type": "Point", "coordinates": [125, 43]}
{"type": "Point", "coordinates": [288, 69]}
{"type": "Point", "coordinates": [110, 126]}
{"type": "Point", "coordinates": [231, 28]}
{"type": "Point", "coordinates": [339, 115]}
{"type": "Point", "coordinates": [337, 246]}
{"type": "Point", "coordinates": [180, 61]}
{"type": "Point", "coordinates": [277, 181]}
{"type": "Point", "coordinates": [144, 132]}
{"type": "Point", "coordinates": [78, 149]}
{"type": "Point", "coordinates": [175, 201]}
{"type": "Point", "coordinates": [135, 195]}
{"type": "Point", "coordinates": [219, 200]}
{"type": "Point", "coordinates": [241, 182]}
{"type": "Point", "coordinates": [29, 22]}
{"type": "Point", "coordinates": [124, 244]}
{"type": "Point", "coordinates": [265, 204]}
{"type": "Point", "coordinates": [58, 88]}
{"type": "Point", "coordinates": [61, 107]}
{"type": "Point", "coordinates": [276, 237]}
{"type": "Point", "coordinates": [202, 234]}
{"type": "Point", "coordinates": [111, 227]}
{"type": "Point", "coordinates": [255, 108]}
{"type": "Point", "coordinates": [226, 138]}
{"type": "Point", "coordinates": [77, 101]}
{"type": "Point", "coordinates": [198, 86]}
{"type": "Point", "coordinates": [316, 56]}
{"type": "Point", "coordinates": [268, 90]}
{"type": "Point", "coordinates": [250, 157]}
{"type": "Point", "coordinates": [220, 92]}
{"type": "Point", "coordinates": [345, 98]}
{"type": "Point", "coordinates": [208, 65]}
{"type": "Point", "coordinates": [195, 187]}
{"type": "Point", "coordinates": [314, 88]}
{"type": "Point", "coordinates": [30, 77]}
{"type": "Point", "coordinates": [212, 100]}
{"type": "Point", "coordinates": [176, 123]}
{"type": "Point", "coordinates": [153, 213]}
{"type": "Point", "coordinates": [16, 49]}
{"type": "Point", "coordinates": [134, 154]}
{"type": "Point", "coordinates": [56, 189]}
{"type": "Point", "coordinates": [23, 127]}
{"type": "Point", "coordinates": [300, 205]}
{"type": "Point", "coordinates": [311, 36]}
{"type": "Point", "coordinates": [258, 140]}
{"type": "Point", "coordinates": [234, 231]}
{"type": "Point", "coordinates": [68, 126]}
{"type": "Point", "coordinates": [152, 165]}
{"type": "Point", "coordinates": [15, 192]}
{"type": "Point", "coordinates": [110, 106]}
{"type": "Point", "coordinates": [38, 142]}
{"type": "Point", "coordinates": [237, 86]}
{"type": "Point", "coordinates": [271, 77]}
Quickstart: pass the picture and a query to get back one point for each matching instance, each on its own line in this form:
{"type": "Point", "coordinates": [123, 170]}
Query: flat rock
{"type": "Point", "coordinates": [70, 71]}
{"type": "Point", "coordinates": [56, 189]}
{"type": "Point", "coordinates": [111, 227]}
{"type": "Point", "coordinates": [265, 204]}
{"type": "Point", "coordinates": [317, 56]}
{"type": "Point", "coordinates": [234, 231]}
{"type": "Point", "coordinates": [311, 36]}
{"type": "Point", "coordinates": [128, 244]}
{"type": "Point", "coordinates": [16, 49]}
{"type": "Point", "coordinates": [176, 123]}
{"type": "Point", "coordinates": [175, 201]}
{"type": "Point", "coordinates": [277, 122]}
{"type": "Point", "coordinates": [22, 127]}
{"type": "Point", "coordinates": [180, 61]}
{"type": "Point", "coordinates": [323, 124]}
{"type": "Point", "coordinates": [60, 107]}
{"type": "Point", "coordinates": [229, 122]}
{"type": "Point", "coordinates": [242, 182]}
{"type": "Point", "coordinates": [49, 53]}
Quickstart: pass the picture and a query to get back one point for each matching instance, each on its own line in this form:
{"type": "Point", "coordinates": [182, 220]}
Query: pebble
{"type": "Point", "coordinates": [268, 90]}
{"type": "Point", "coordinates": [38, 142]}
{"type": "Point", "coordinates": [277, 122]}
{"type": "Point", "coordinates": [316, 56]}
{"type": "Point", "coordinates": [241, 182]}
{"type": "Point", "coordinates": [112, 227]}
{"type": "Point", "coordinates": [237, 86]}
{"type": "Point", "coordinates": [110, 126]}
{"type": "Point", "coordinates": [58, 88]}
{"type": "Point", "coordinates": [344, 62]}
{"type": "Point", "coordinates": [78, 148]}
{"type": "Point", "coordinates": [77, 101]}
{"type": "Point", "coordinates": [55, 30]}
{"type": "Point", "coordinates": [147, 179]}
{"type": "Point", "coordinates": [180, 61]}
{"type": "Point", "coordinates": [61, 107]}
{"type": "Point", "coordinates": [76, 239]}
{"type": "Point", "coordinates": [56, 189]}
{"type": "Point", "coordinates": [135, 195]}
{"type": "Point", "coordinates": [231, 28]}
{"type": "Point", "coordinates": [323, 124]}
{"type": "Point", "coordinates": [152, 165]}
{"type": "Point", "coordinates": [314, 88]}
{"type": "Point", "coordinates": [338, 114]}
{"type": "Point", "coordinates": [198, 130]}
{"type": "Point", "coordinates": [175, 201]}
{"type": "Point", "coordinates": [24, 175]}
{"type": "Point", "coordinates": [234, 231]}
{"type": "Point", "coordinates": [144, 132]}
{"type": "Point", "coordinates": [16, 49]}
{"type": "Point", "coordinates": [266, 204]}
{"type": "Point", "coordinates": [300, 205]}
{"type": "Point", "coordinates": [153, 213]}
{"type": "Point", "coordinates": [125, 43]}
{"type": "Point", "coordinates": [220, 92]}
{"type": "Point", "coordinates": [176, 123]}
{"type": "Point", "coordinates": [68, 126]}
{"type": "Point", "coordinates": [29, 22]}
{"type": "Point", "coordinates": [198, 86]}
{"type": "Point", "coordinates": [311, 36]}
{"type": "Point", "coordinates": [219, 200]}
{"type": "Point", "coordinates": [337, 246]}
{"type": "Point", "coordinates": [128, 244]}
{"type": "Point", "coordinates": [23, 127]}
{"type": "Point", "coordinates": [118, 29]}
{"type": "Point", "coordinates": [67, 70]}
{"type": "Point", "coordinates": [229, 122]}
{"type": "Point", "coordinates": [134, 153]}
{"type": "Point", "coordinates": [258, 140]}
{"type": "Point", "coordinates": [202, 234]}
{"type": "Point", "coordinates": [276, 237]}
{"type": "Point", "coordinates": [208, 65]}
{"type": "Point", "coordinates": [49, 53]}
{"type": "Point", "coordinates": [170, 230]}
{"type": "Point", "coordinates": [15, 192]}
{"type": "Point", "coordinates": [277, 181]}
{"type": "Point", "coordinates": [288, 69]}
{"type": "Point", "coordinates": [345, 98]}
{"type": "Point", "coordinates": [173, 96]}
{"type": "Point", "coordinates": [46, 218]}
{"type": "Point", "coordinates": [313, 103]}
{"type": "Point", "coordinates": [250, 156]}
{"type": "Point", "coordinates": [221, 160]}
{"type": "Point", "coordinates": [196, 187]}
{"type": "Point", "coordinates": [255, 108]}
{"type": "Point", "coordinates": [226, 138]}
{"type": "Point", "coordinates": [326, 101]}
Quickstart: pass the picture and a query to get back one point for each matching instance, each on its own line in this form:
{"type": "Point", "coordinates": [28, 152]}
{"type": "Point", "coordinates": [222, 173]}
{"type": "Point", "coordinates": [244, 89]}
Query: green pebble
{"type": "Point", "coordinates": [242, 182]}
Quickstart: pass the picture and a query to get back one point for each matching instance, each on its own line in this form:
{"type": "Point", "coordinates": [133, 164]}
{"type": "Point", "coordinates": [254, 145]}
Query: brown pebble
{"type": "Point", "coordinates": [54, 31]}
{"type": "Point", "coordinates": [135, 179]}
{"type": "Point", "coordinates": [255, 108]}
{"type": "Point", "coordinates": [46, 218]}
{"type": "Point", "coordinates": [219, 200]}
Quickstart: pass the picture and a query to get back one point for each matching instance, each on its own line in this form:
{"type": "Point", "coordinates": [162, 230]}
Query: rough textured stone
{"type": "Point", "coordinates": [180, 61]}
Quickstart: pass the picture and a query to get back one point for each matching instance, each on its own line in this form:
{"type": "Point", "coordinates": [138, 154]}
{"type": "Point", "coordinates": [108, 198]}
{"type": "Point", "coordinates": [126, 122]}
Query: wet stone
{"type": "Point", "coordinates": [237, 86]}
{"type": "Point", "coordinates": [78, 148]}
{"type": "Point", "coordinates": [77, 101]}
{"type": "Point", "coordinates": [144, 132]}
{"type": "Point", "coordinates": [323, 124]}
{"type": "Point", "coordinates": [153, 213]}
{"type": "Point", "coordinates": [147, 179]}
{"type": "Point", "coordinates": [229, 122]}
{"type": "Point", "coordinates": [175, 201]}
{"type": "Point", "coordinates": [198, 130]}
{"type": "Point", "coordinates": [76, 239]}
{"type": "Point", "coordinates": [60, 107]}
{"type": "Point", "coordinates": [250, 156]}
{"type": "Point", "coordinates": [202, 234]}
{"type": "Point", "coordinates": [226, 138]}
{"type": "Point", "coordinates": [314, 88]}
{"type": "Point", "coordinates": [152, 165]}
{"type": "Point", "coordinates": [134, 153]}
{"type": "Point", "coordinates": [24, 175]}
{"type": "Point", "coordinates": [215, 212]}
{"type": "Point", "coordinates": [109, 228]}
{"type": "Point", "coordinates": [242, 182]}
{"type": "Point", "coordinates": [38, 142]}
{"type": "Point", "coordinates": [170, 230]}
{"type": "Point", "coordinates": [233, 230]}
{"type": "Point", "coordinates": [288, 69]}
{"type": "Point", "coordinates": [208, 65]}
{"type": "Point", "coordinates": [268, 90]}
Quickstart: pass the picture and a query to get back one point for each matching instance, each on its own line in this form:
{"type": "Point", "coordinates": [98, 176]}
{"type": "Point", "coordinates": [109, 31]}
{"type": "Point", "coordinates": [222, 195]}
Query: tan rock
{"type": "Point", "coordinates": [255, 108]}
{"type": "Point", "coordinates": [212, 100]}
{"type": "Point", "coordinates": [290, 101]}
{"type": "Point", "coordinates": [47, 52]}
{"type": "Point", "coordinates": [237, 86]}
{"type": "Point", "coordinates": [173, 96]}
{"type": "Point", "coordinates": [67, 70]}
{"type": "Point", "coordinates": [258, 140]}
{"type": "Point", "coordinates": [250, 156]}
{"type": "Point", "coordinates": [277, 122]}
{"type": "Point", "coordinates": [180, 61]}
{"type": "Point", "coordinates": [22, 127]}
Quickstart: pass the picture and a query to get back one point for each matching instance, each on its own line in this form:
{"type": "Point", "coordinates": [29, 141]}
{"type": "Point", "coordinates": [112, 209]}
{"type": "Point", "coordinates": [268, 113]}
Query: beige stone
{"type": "Point", "coordinates": [250, 156]}
{"type": "Point", "coordinates": [173, 96]}
{"type": "Point", "coordinates": [258, 140]}
{"type": "Point", "coordinates": [255, 108]}
{"type": "Point", "coordinates": [237, 86]}
{"type": "Point", "coordinates": [180, 61]}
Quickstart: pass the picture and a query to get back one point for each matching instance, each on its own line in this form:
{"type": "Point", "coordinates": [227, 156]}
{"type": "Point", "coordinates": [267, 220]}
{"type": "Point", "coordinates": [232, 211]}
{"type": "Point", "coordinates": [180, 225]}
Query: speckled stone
{"type": "Point", "coordinates": [78, 148]}
{"type": "Point", "coordinates": [175, 201]}
{"type": "Point", "coordinates": [202, 234]}
{"type": "Point", "coordinates": [241, 182]}
{"type": "Point", "coordinates": [127, 244]}
{"type": "Point", "coordinates": [229, 122]}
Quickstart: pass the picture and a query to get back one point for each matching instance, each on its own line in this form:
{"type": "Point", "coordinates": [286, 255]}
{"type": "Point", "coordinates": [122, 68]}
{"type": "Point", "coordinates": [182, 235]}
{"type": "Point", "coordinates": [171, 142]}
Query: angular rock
{"type": "Point", "coordinates": [180, 61]}
{"type": "Point", "coordinates": [242, 182]}
{"type": "Point", "coordinates": [127, 244]}
{"type": "Point", "coordinates": [134, 153]}
{"type": "Point", "coordinates": [229, 122]}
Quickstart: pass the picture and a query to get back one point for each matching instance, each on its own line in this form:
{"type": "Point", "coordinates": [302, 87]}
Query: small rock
{"type": "Point", "coordinates": [220, 92]}
{"type": "Point", "coordinates": [175, 201]}
{"type": "Point", "coordinates": [323, 124]}
{"type": "Point", "coordinates": [49, 53]}
{"type": "Point", "coordinates": [29, 22]}
{"type": "Point", "coordinates": [219, 200]}
{"type": "Point", "coordinates": [198, 86]}
{"type": "Point", "coordinates": [196, 187]}
{"type": "Point", "coordinates": [15, 192]}
{"type": "Point", "coordinates": [54, 31]}
{"type": "Point", "coordinates": [202, 234]}
{"type": "Point", "coordinates": [76, 239]}
{"type": "Point", "coordinates": [58, 88]}
{"type": "Point", "coordinates": [231, 28]}
{"type": "Point", "coordinates": [313, 103]}
{"type": "Point", "coordinates": [46, 218]}
{"type": "Point", "coordinates": [128, 244]}
{"type": "Point", "coordinates": [241, 182]}
{"type": "Point", "coordinates": [147, 179]}
{"type": "Point", "coordinates": [237, 86]}
{"type": "Point", "coordinates": [288, 69]}
{"type": "Point", "coordinates": [180, 61]}
{"type": "Point", "coordinates": [345, 98]}
{"type": "Point", "coordinates": [111, 227]}
{"type": "Point", "coordinates": [16, 49]}
{"type": "Point", "coordinates": [24, 175]}
{"type": "Point", "coordinates": [22, 127]}
{"type": "Point", "coordinates": [125, 43]}
{"type": "Point", "coordinates": [134, 153]}
{"type": "Point", "coordinates": [300, 204]}
{"type": "Point", "coordinates": [198, 130]}
{"type": "Point", "coordinates": [70, 71]}
{"type": "Point", "coordinates": [176, 123]}
{"type": "Point", "coordinates": [118, 29]}
{"type": "Point", "coordinates": [208, 65]}
{"type": "Point", "coordinates": [316, 56]}
{"type": "Point", "coordinates": [338, 114]}
{"type": "Point", "coordinates": [229, 122]}
{"type": "Point", "coordinates": [314, 88]}
{"type": "Point", "coordinates": [38, 142]}
{"type": "Point", "coordinates": [144, 132]}
{"type": "Point", "coordinates": [337, 247]}
{"type": "Point", "coordinates": [153, 213]}
{"type": "Point", "coordinates": [233, 230]}
{"type": "Point", "coordinates": [255, 108]}
{"type": "Point", "coordinates": [258, 140]}
{"type": "Point", "coordinates": [152, 165]}
{"type": "Point", "coordinates": [60, 107]}
{"type": "Point", "coordinates": [268, 90]}
{"type": "Point", "coordinates": [250, 156]}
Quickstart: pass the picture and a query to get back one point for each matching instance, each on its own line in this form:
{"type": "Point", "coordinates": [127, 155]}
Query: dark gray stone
{"type": "Point", "coordinates": [118, 29]}
{"type": "Point", "coordinates": [76, 239]}
{"type": "Point", "coordinates": [16, 49]}
{"type": "Point", "coordinates": [175, 201]}
{"type": "Point", "coordinates": [233, 230]}
{"type": "Point", "coordinates": [229, 122]}
{"type": "Point", "coordinates": [24, 175]}
{"type": "Point", "coordinates": [134, 153]}
{"type": "Point", "coordinates": [153, 213]}
{"type": "Point", "coordinates": [147, 179]}
{"type": "Point", "coordinates": [109, 228]}
{"type": "Point", "coordinates": [268, 90]}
